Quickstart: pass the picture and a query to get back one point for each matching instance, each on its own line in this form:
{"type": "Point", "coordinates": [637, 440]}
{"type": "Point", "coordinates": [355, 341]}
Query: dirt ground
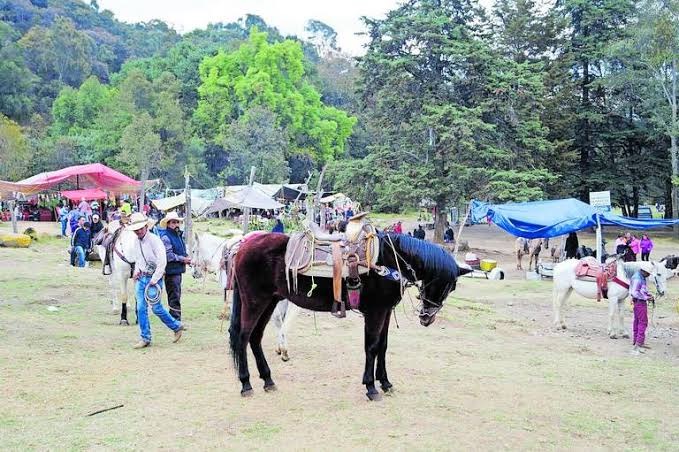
{"type": "Point", "coordinates": [489, 374]}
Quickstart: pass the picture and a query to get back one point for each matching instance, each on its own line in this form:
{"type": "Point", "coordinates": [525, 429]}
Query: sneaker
{"type": "Point", "coordinates": [142, 344]}
{"type": "Point", "coordinates": [178, 333]}
{"type": "Point", "coordinates": [638, 349]}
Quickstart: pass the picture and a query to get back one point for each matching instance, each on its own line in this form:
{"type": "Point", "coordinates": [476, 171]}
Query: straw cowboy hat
{"type": "Point", "coordinates": [169, 217]}
{"type": "Point", "coordinates": [646, 266]}
{"type": "Point", "coordinates": [137, 221]}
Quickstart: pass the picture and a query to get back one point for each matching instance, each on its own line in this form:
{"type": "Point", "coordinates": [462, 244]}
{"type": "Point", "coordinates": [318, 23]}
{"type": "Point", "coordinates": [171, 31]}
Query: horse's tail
{"type": "Point", "coordinates": [234, 327]}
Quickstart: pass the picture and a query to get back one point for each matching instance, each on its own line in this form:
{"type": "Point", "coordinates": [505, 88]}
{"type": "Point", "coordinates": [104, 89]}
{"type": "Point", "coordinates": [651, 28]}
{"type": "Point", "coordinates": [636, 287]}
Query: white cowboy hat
{"type": "Point", "coordinates": [646, 266]}
{"type": "Point", "coordinates": [137, 221]}
{"type": "Point", "coordinates": [169, 217]}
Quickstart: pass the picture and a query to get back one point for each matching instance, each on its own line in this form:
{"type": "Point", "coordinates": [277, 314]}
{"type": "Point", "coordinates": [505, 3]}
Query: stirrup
{"type": "Point", "coordinates": [339, 309]}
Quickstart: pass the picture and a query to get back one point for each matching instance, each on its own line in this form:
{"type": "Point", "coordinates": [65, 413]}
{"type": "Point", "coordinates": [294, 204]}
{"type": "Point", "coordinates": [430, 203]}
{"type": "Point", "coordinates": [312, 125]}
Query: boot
{"type": "Point", "coordinates": [141, 344]}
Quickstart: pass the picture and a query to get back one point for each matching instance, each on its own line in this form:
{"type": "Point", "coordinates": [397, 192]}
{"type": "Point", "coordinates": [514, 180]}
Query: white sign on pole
{"type": "Point", "coordinates": [601, 200]}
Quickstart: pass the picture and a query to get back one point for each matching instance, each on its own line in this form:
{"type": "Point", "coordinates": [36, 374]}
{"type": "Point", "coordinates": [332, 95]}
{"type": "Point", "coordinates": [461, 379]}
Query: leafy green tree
{"type": "Point", "coordinates": [448, 108]}
{"type": "Point", "coordinates": [14, 151]}
{"type": "Point", "coordinates": [140, 148]}
{"type": "Point", "coordinates": [16, 80]}
{"type": "Point", "coordinates": [578, 107]}
{"type": "Point", "coordinates": [59, 52]}
{"type": "Point", "coordinates": [270, 75]}
{"type": "Point", "coordinates": [255, 140]}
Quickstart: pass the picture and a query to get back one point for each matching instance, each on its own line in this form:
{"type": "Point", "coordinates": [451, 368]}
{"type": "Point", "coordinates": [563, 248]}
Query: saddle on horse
{"type": "Point", "coordinates": [589, 269]}
{"type": "Point", "coordinates": [342, 256]}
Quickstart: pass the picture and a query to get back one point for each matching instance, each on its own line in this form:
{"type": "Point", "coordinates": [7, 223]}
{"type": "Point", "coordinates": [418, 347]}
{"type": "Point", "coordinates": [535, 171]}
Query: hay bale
{"type": "Point", "coordinates": [11, 240]}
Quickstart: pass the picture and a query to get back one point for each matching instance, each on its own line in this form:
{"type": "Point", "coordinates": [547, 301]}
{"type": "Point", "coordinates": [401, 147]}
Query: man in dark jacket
{"type": "Point", "coordinates": [419, 232]}
{"type": "Point", "coordinates": [571, 245]}
{"type": "Point", "coordinates": [176, 261]}
{"type": "Point", "coordinates": [81, 243]}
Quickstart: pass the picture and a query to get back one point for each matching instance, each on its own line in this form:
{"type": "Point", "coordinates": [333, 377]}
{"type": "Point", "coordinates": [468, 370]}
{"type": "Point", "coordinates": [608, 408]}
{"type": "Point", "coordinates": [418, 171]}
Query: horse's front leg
{"type": "Point", "coordinates": [612, 310]}
{"type": "Point", "coordinates": [381, 373]}
{"type": "Point", "coordinates": [122, 294]}
{"type": "Point", "coordinates": [621, 319]}
{"type": "Point", "coordinates": [374, 321]}
{"type": "Point", "coordinates": [289, 316]}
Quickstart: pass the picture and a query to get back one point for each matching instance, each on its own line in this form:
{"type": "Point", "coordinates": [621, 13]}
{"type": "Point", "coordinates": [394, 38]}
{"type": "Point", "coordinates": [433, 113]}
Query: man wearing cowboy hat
{"type": "Point", "coordinates": [150, 261]}
{"type": "Point", "coordinates": [175, 249]}
{"type": "Point", "coordinates": [640, 296]}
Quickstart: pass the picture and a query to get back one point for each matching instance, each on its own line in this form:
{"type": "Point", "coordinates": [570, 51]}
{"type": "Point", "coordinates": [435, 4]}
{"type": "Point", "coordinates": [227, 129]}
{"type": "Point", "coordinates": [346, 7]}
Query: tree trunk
{"type": "Point", "coordinates": [440, 221]}
{"type": "Point", "coordinates": [668, 199]}
{"type": "Point", "coordinates": [585, 132]}
{"type": "Point", "coordinates": [635, 202]}
{"type": "Point", "coordinates": [673, 149]}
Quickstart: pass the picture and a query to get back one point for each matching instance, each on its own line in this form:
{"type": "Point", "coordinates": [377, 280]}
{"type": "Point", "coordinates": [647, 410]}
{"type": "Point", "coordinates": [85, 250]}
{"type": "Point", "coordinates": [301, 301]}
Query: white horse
{"type": "Point", "coordinates": [121, 270]}
{"type": "Point", "coordinates": [565, 282]}
{"type": "Point", "coordinates": [206, 257]}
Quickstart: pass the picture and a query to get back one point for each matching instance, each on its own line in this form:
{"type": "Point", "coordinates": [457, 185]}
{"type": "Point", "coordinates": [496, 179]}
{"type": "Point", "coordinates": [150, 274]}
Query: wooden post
{"type": "Point", "coordinates": [317, 201]}
{"type": "Point", "coordinates": [12, 204]}
{"type": "Point", "coordinates": [188, 220]}
{"type": "Point", "coordinates": [246, 210]}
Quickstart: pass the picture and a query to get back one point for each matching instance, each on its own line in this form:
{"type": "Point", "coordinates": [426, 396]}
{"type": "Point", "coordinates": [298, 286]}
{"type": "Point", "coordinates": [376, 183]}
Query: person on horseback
{"type": "Point", "coordinates": [177, 259]}
{"type": "Point", "coordinates": [150, 260]}
{"type": "Point", "coordinates": [640, 296]}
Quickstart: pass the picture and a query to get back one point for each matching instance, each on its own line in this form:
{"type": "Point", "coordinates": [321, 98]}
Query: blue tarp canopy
{"type": "Point", "coordinates": [545, 219]}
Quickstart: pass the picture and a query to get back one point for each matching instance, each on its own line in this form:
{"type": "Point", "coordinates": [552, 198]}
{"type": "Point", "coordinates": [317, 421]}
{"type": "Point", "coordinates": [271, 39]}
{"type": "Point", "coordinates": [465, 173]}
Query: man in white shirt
{"type": "Point", "coordinates": [150, 261]}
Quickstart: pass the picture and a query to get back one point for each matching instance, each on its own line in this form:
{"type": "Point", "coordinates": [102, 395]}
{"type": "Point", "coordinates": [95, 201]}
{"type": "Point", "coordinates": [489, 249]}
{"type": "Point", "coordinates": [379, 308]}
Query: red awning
{"type": "Point", "coordinates": [88, 194]}
{"type": "Point", "coordinates": [94, 175]}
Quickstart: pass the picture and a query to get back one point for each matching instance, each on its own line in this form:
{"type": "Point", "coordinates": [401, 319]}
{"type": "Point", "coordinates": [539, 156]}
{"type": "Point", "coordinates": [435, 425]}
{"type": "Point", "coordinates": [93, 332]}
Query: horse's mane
{"type": "Point", "coordinates": [434, 258]}
{"type": "Point", "coordinates": [630, 268]}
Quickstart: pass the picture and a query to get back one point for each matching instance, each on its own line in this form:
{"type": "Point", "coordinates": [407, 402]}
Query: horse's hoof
{"type": "Point", "coordinates": [247, 393]}
{"type": "Point", "coordinates": [613, 336]}
{"type": "Point", "coordinates": [563, 327]}
{"type": "Point", "coordinates": [278, 350]}
{"type": "Point", "coordinates": [270, 388]}
{"type": "Point", "coordinates": [388, 388]}
{"type": "Point", "coordinates": [374, 396]}
{"type": "Point", "coordinates": [625, 336]}
{"type": "Point", "coordinates": [124, 323]}
{"type": "Point", "coordinates": [284, 356]}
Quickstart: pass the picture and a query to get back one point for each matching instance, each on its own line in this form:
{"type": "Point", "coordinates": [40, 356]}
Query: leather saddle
{"type": "Point", "coordinates": [589, 269]}
{"type": "Point", "coordinates": [340, 256]}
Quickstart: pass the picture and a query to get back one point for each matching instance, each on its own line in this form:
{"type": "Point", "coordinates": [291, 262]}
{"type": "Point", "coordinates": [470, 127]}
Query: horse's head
{"type": "Point", "coordinates": [660, 275]}
{"type": "Point", "coordinates": [427, 266]}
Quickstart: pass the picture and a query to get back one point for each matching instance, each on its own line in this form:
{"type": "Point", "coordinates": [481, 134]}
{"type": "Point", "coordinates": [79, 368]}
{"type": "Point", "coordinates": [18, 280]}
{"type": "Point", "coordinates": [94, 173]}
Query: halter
{"type": "Point", "coordinates": [417, 283]}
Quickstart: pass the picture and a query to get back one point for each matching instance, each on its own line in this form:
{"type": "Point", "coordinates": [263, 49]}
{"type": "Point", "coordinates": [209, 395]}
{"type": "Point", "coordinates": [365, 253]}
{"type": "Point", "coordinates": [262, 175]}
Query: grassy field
{"type": "Point", "coordinates": [489, 374]}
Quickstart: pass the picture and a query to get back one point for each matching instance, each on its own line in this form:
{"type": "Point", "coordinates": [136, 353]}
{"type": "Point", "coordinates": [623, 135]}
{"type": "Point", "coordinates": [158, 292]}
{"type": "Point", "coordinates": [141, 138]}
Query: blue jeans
{"type": "Point", "coordinates": [80, 252]}
{"type": "Point", "coordinates": [158, 310]}
{"type": "Point", "coordinates": [64, 223]}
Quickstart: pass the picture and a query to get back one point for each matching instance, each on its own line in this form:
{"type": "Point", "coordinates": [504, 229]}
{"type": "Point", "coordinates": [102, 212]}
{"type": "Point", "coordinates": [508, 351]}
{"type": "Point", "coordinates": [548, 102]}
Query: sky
{"type": "Point", "coordinates": [289, 16]}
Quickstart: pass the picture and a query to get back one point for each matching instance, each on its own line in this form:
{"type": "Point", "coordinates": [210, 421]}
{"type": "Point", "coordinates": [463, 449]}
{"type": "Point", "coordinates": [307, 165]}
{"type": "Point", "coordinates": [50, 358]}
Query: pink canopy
{"type": "Point", "coordinates": [94, 175]}
{"type": "Point", "coordinates": [88, 194]}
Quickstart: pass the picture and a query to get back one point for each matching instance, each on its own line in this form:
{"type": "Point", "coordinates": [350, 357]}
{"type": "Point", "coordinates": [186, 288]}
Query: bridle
{"type": "Point", "coordinates": [406, 283]}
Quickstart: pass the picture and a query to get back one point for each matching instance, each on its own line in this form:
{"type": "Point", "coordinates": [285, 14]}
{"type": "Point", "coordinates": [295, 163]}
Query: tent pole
{"type": "Point", "coordinates": [599, 243]}
{"type": "Point", "coordinates": [246, 210]}
{"type": "Point", "coordinates": [460, 229]}
{"type": "Point", "coordinates": [188, 220]}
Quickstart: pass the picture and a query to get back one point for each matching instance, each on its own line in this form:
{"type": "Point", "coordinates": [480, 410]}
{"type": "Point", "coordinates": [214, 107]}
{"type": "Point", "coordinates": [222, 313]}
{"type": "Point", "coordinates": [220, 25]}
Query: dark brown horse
{"type": "Point", "coordinates": [261, 283]}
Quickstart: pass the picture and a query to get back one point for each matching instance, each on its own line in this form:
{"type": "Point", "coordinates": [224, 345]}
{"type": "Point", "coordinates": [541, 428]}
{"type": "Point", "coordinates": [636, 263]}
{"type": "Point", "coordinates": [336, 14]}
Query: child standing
{"type": "Point", "coordinates": [640, 296]}
{"type": "Point", "coordinates": [646, 247]}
